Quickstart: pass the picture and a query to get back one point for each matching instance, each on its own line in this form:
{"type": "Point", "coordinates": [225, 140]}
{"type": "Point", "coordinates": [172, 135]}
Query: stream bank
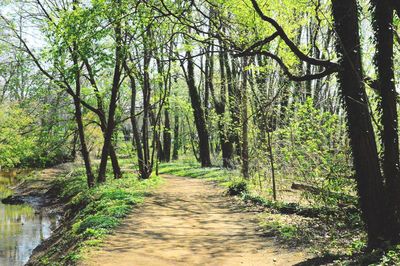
{"type": "Point", "coordinates": [28, 213]}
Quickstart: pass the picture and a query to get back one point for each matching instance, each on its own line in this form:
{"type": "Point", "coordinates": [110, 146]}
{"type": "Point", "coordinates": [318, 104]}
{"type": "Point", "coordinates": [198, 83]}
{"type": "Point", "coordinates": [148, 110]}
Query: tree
{"type": "Point", "coordinates": [383, 15]}
{"type": "Point", "coordinates": [201, 126]}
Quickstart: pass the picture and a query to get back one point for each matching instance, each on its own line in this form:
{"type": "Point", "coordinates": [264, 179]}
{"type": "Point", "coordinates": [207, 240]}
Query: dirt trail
{"type": "Point", "coordinates": [189, 222]}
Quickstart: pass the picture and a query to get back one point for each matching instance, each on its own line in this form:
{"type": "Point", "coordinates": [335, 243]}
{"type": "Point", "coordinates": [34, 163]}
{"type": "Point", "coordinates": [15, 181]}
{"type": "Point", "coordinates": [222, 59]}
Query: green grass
{"type": "Point", "coordinates": [93, 213]}
{"type": "Point", "coordinates": [194, 170]}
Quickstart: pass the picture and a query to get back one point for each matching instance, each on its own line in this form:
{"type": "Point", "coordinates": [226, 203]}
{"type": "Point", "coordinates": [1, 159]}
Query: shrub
{"type": "Point", "coordinates": [237, 187]}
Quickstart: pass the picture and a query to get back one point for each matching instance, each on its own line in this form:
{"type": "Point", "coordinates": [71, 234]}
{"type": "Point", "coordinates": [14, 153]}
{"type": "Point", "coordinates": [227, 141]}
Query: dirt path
{"type": "Point", "coordinates": [189, 222]}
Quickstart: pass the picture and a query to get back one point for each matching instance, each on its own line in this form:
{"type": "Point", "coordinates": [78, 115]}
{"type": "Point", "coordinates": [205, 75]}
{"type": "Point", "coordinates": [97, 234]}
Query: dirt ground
{"type": "Point", "coordinates": [190, 222]}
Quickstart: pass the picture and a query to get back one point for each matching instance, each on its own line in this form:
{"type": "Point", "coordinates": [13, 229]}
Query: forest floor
{"type": "Point", "coordinates": [190, 222]}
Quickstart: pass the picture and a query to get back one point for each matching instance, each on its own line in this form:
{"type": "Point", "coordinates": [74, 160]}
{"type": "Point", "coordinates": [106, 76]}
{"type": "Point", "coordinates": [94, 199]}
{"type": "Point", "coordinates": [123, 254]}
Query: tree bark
{"type": "Point", "coordinates": [113, 103]}
{"type": "Point", "coordinates": [103, 123]}
{"type": "Point", "coordinates": [78, 114]}
{"type": "Point", "coordinates": [175, 152]}
{"type": "Point", "coordinates": [220, 108]}
{"type": "Point", "coordinates": [204, 145]}
{"type": "Point", "coordinates": [233, 132]}
{"type": "Point", "coordinates": [146, 108]}
{"type": "Point", "coordinates": [155, 124]}
{"type": "Point", "coordinates": [383, 15]}
{"type": "Point", "coordinates": [136, 142]}
{"type": "Point", "coordinates": [167, 136]}
{"type": "Point", "coordinates": [361, 133]}
{"type": "Point", "coordinates": [244, 123]}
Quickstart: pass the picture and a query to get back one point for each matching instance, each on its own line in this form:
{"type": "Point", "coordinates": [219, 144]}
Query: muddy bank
{"type": "Point", "coordinates": [30, 215]}
{"type": "Point", "coordinates": [38, 192]}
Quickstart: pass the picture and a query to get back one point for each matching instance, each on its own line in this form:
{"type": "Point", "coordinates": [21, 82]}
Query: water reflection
{"type": "Point", "coordinates": [21, 229]}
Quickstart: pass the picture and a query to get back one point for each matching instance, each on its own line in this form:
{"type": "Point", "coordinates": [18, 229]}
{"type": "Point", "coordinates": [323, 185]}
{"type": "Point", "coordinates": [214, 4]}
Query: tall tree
{"type": "Point", "coordinates": [116, 83]}
{"type": "Point", "coordinates": [361, 133]}
{"type": "Point", "coordinates": [383, 14]}
{"type": "Point", "coordinates": [198, 112]}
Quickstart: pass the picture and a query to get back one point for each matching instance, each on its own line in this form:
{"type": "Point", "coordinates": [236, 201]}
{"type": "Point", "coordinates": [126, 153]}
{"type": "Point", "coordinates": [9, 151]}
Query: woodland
{"type": "Point", "coordinates": [290, 105]}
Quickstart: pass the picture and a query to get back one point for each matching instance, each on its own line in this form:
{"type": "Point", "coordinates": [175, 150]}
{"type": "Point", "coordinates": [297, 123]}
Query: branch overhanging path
{"type": "Point", "coordinates": [256, 49]}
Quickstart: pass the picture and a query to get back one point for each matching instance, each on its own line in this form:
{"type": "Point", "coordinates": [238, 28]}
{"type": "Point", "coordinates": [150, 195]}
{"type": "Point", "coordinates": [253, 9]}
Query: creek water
{"type": "Point", "coordinates": [22, 228]}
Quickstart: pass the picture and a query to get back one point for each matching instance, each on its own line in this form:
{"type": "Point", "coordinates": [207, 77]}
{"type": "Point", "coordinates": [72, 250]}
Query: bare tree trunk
{"type": "Point", "coordinates": [220, 107]}
{"type": "Point", "coordinates": [271, 160]}
{"type": "Point", "coordinates": [382, 23]}
{"type": "Point", "coordinates": [361, 133]}
{"type": "Point", "coordinates": [146, 111]}
{"type": "Point", "coordinates": [103, 123]}
{"type": "Point", "coordinates": [157, 137]}
{"type": "Point", "coordinates": [78, 114]}
{"type": "Point", "coordinates": [167, 136]}
{"type": "Point", "coordinates": [233, 132]}
{"type": "Point", "coordinates": [204, 145]}
{"type": "Point", "coordinates": [136, 140]}
{"type": "Point", "coordinates": [244, 120]}
{"type": "Point", "coordinates": [113, 104]}
{"type": "Point", "coordinates": [176, 138]}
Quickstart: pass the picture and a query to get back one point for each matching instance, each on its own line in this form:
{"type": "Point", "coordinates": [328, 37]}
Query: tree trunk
{"type": "Point", "coordinates": [113, 155]}
{"type": "Point", "coordinates": [84, 149]}
{"type": "Point", "coordinates": [233, 134]}
{"type": "Point", "coordinates": [361, 134]}
{"type": "Point", "coordinates": [244, 120]}
{"type": "Point", "coordinates": [157, 137]}
{"type": "Point", "coordinates": [136, 134]}
{"type": "Point", "coordinates": [146, 109]}
{"type": "Point", "coordinates": [167, 136]}
{"type": "Point", "coordinates": [113, 105]}
{"type": "Point", "coordinates": [204, 145]}
{"type": "Point", "coordinates": [78, 115]}
{"type": "Point", "coordinates": [271, 160]}
{"type": "Point", "coordinates": [382, 23]}
{"type": "Point", "coordinates": [103, 123]}
{"type": "Point", "coordinates": [220, 106]}
{"type": "Point", "coordinates": [175, 152]}
{"type": "Point", "coordinates": [114, 162]}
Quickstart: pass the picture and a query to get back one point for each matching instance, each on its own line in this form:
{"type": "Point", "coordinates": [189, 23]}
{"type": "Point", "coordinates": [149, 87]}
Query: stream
{"type": "Point", "coordinates": [22, 228]}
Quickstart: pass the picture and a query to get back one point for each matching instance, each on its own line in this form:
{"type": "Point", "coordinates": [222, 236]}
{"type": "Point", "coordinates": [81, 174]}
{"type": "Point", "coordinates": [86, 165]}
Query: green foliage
{"type": "Point", "coordinates": [391, 257]}
{"type": "Point", "coordinates": [237, 187]}
{"type": "Point", "coordinates": [312, 149]}
{"type": "Point", "coordinates": [91, 224]}
{"type": "Point", "coordinates": [16, 145]}
{"type": "Point", "coordinates": [286, 231]}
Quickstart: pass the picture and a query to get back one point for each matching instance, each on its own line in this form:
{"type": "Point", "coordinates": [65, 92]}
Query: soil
{"type": "Point", "coordinates": [37, 191]}
{"type": "Point", "coordinates": [190, 222]}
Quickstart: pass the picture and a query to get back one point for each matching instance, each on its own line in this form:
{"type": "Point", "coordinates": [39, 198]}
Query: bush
{"type": "Point", "coordinates": [237, 187]}
{"type": "Point", "coordinates": [312, 149]}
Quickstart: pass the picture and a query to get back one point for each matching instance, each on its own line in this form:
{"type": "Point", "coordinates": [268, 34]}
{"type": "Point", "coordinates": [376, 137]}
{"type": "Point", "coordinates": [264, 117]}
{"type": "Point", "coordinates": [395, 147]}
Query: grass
{"type": "Point", "coordinates": [192, 169]}
{"type": "Point", "coordinates": [92, 213]}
